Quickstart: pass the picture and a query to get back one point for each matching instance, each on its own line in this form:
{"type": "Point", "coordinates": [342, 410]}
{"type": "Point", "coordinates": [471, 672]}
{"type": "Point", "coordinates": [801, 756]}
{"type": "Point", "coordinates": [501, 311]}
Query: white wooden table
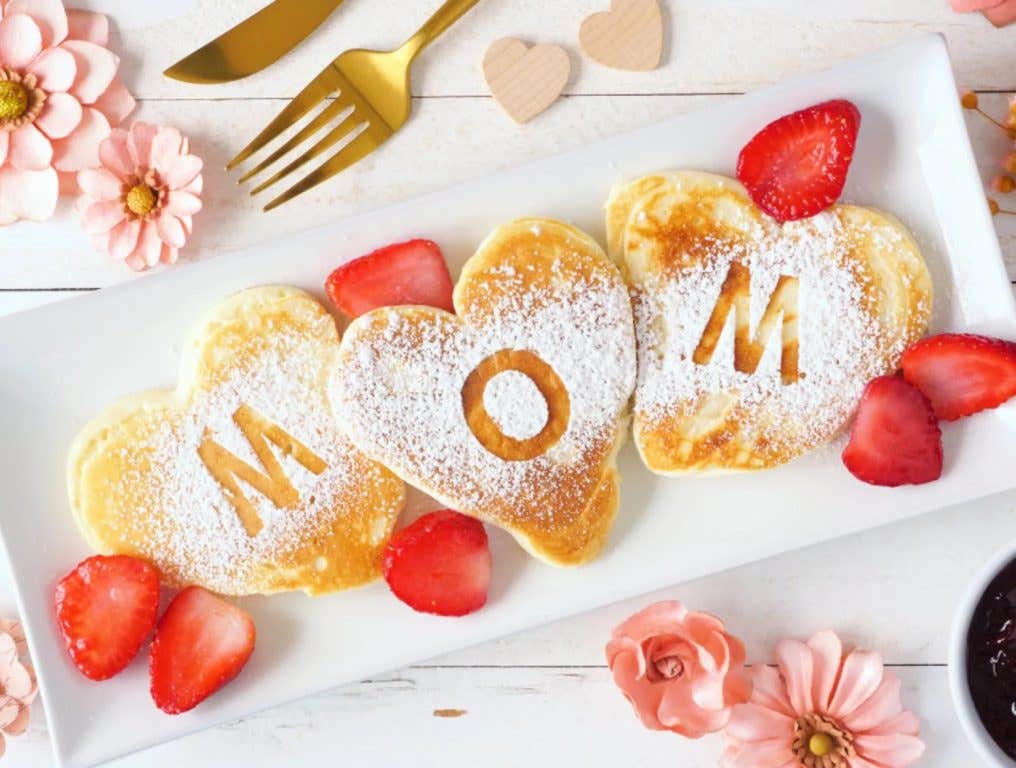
{"type": "Point", "coordinates": [544, 697]}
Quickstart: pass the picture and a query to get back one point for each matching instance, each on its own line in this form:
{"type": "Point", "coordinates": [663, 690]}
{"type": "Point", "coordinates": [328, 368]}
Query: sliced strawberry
{"type": "Point", "coordinates": [106, 608]}
{"type": "Point", "coordinates": [797, 166]}
{"type": "Point", "coordinates": [440, 564]}
{"type": "Point", "coordinates": [896, 439]}
{"type": "Point", "coordinates": [201, 643]}
{"type": "Point", "coordinates": [406, 273]}
{"type": "Point", "coordinates": [962, 374]}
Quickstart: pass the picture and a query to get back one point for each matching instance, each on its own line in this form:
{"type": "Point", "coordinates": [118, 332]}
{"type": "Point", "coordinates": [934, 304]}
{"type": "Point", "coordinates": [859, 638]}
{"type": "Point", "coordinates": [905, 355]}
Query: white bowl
{"type": "Point", "coordinates": [978, 735]}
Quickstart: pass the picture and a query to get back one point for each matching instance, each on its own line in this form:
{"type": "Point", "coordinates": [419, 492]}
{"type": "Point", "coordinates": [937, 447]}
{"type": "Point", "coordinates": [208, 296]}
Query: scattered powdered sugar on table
{"type": "Point", "coordinates": [516, 405]}
{"type": "Point", "coordinates": [841, 345]}
{"type": "Point", "coordinates": [194, 527]}
{"type": "Point", "coordinates": [399, 392]}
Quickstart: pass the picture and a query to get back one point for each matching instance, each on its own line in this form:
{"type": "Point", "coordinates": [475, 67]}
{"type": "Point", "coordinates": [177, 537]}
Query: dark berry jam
{"type": "Point", "coordinates": [991, 659]}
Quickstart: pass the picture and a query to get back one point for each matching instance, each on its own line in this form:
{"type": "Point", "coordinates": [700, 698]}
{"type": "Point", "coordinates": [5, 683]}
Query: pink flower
{"type": "Point", "coordinates": [822, 709]}
{"type": "Point", "coordinates": [59, 95]}
{"type": "Point", "coordinates": [681, 671]}
{"type": "Point", "coordinates": [139, 205]}
{"type": "Point", "coordinates": [18, 688]}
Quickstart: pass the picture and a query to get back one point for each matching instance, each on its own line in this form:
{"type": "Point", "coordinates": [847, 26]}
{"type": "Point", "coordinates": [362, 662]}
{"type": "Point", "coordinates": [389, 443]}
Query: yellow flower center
{"type": "Point", "coordinates": [13, 100]}
{"type": "Point", "coordinates": [821, 744]}
{"type": "Point", "coordinates": [141, 200]}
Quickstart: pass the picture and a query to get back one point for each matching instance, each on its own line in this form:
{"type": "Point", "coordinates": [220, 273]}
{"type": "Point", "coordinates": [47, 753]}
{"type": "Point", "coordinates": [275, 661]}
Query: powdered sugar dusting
{"type": "Point", "coordinates": [841, 344]}
{"type": "Point", "coordinates": [399, 391]}
{"type": "Point", "coordinates": [516, 405]}
{"type": "Point", "coordinates": [191, 527]}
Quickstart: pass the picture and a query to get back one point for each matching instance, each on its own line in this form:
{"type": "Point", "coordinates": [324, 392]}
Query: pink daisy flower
{"type": "Point", "coordinates": [823, 709]}
{"type": "Point", "coordinates": [59, 97]}
{"type": "Point", "coordinates": [140, 203]}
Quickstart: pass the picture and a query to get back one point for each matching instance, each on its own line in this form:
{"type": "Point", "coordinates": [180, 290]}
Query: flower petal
{"type": "Point", "coordinates": [49, 15]}
{"type": "Point", "coordinates": [139, 143]}
{"type": "Point", "coordinates": [183, 170]}
{"type": "Point", "coordinates": [171, 230]}
{"type": "Point", "coordinates": [29, 149]}
{"type": "Point", "coordinates": [827, 655]}
{"type": "Point", "coordinates": [20, 40]}
{"type": "Point", "coordinates": [149, 248]}
{"type": "Point", "coordinates": [860, 676]}
{"type": "Point", "coordinates": [643, 695]}
{"type": "Point", "coordinates": [883, 705]}
{"type": "Point", "coordinates": [169, 255]}
{"type": "Point", "coordinates": [18, 682]}
{"type": "Point", "coordinates": [96, 69]}
{"type": "Point", "coordinates": [754, 722]}
{"type": "Point", "coordinates": [4, 143]}
{"type": "Point", "coordinates": [905, 722]}
{"type": "Point", "coordinates": [9, 711]}
{"type": "Point", "coordinates": [679, 712]}
{"type": "Point", "coordinates": [80, 150]}
{"type": "Point", "coordinates": [115, 156]}
{"type": "Point", "coordinates": [182, 204]}
{"type": "Point", "coordinates": [116, 103]}
{"type": "Point", "coordinates": [55, 68]}
{"type": "Point", "coordinates": [769, 689]}
{"type": "Point", "coordinates": [124, 238]}
{"type": "Point", "coordinates": [763, 754]}
{"type": "Point", "coordinates": [100, 184]}
{"type": "Point", "coordinates": [796, 665]}
{"type": "Point", "coordinates": [60, 115]}
{"type": "Point", "coordinates": [36, 196]}
{"type": "Point", "coordinates": [86, 25]}
{"type": "Point", "coordinates": [20, 723]}
{"type": "Point", "coordinates": [196, 186]}
{"type": "Point", "coordinates": [104, 216]}
{"type": "Point", "coordinates": [895, 749]}
{"type": "Point", "coordinates": [165, 149]}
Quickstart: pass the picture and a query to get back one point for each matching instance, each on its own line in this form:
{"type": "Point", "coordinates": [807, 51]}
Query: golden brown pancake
{"type": "Point", "coordinates": [513, 409]}
{"type": "Point", "coordinates": [756, 339]}
{"type": "Point", "coordinates": [239, 480]}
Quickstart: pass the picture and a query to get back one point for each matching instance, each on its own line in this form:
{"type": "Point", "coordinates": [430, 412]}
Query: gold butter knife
{"type": "Point", "coordinates": [255, 43]}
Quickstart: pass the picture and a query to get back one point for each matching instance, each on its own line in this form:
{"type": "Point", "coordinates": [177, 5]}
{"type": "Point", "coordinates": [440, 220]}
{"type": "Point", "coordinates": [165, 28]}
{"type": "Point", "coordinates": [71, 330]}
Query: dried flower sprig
{"type": "Point", "coordinates": [1004, 182]}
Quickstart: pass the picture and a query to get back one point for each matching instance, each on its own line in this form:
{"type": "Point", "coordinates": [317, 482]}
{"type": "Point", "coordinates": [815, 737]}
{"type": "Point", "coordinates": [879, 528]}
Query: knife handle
{"type": "Point", "coordinates": [443, 18]}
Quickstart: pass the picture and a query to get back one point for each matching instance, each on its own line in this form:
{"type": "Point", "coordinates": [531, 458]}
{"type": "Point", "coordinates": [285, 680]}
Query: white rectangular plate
{"type": "Point", "coordinates": [60, 365]}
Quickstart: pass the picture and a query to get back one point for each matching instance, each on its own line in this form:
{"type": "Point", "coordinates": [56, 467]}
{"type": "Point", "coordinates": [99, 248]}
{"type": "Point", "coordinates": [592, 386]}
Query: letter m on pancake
{"type": "Point", "coordinates": [272, 483]}
{"type": "Point", "coordinates": [735, 295]}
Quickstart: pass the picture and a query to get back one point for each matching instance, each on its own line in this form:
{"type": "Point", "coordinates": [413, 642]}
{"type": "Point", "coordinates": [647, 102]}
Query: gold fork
{"type": "Point", "coordinates": [372, 85]}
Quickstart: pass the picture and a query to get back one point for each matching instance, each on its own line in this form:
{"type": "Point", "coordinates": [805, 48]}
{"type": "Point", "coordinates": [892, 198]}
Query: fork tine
{"type": "Point", "coordinates": [354, 151]}
{"type": "Point", "coordinates": [333, 137]}
{"type": "Point", "coordinates": [320, 88]}
{"type": "Point", "coordinates": [324, 117]}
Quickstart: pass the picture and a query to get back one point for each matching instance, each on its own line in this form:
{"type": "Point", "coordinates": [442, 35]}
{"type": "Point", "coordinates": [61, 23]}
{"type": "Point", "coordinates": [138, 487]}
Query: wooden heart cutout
{"type": "Point", "coordinates": [523, 80]}
{"type": "Point", "coordinates": [628, 36]}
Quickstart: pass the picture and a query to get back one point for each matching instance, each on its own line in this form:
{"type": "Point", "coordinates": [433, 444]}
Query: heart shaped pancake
{"type": "Point", "coordinates": [513, 409]}
{"type": "Point", "coordinates": [756, 339]}
{"type": "Point", "coordinates": [239, 480]}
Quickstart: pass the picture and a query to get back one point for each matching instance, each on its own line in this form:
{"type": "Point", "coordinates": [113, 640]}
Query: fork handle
{"type": "Point", "coordinates": [443, 18]}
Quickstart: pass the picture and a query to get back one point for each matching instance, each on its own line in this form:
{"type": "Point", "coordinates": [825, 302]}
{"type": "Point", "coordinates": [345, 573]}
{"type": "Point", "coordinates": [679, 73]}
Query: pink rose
{"type": "Point", "coordinates": [681, 671]}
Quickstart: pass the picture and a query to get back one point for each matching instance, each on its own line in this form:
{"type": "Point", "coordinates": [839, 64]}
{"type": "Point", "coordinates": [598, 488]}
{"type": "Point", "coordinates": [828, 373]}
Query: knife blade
{"type": "Point", "coordinates": [254, 43]}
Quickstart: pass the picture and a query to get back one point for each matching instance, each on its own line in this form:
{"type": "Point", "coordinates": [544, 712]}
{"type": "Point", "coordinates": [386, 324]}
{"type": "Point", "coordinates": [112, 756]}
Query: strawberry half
{"type": "Point", "coordinates": [106, 608]}
{"type": "Point", "coordinates": [202, 642]}
{"type": "Point", "coordinates": [440, 564]}
{"type": "Point", "coordinates": [797, 166]}
{"type": "Point", "coordinates": [406, 273]}
{"type": "Point", "coordinates": [895, 439]}
{"type": "Point", "coordinates": [962, 374]}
